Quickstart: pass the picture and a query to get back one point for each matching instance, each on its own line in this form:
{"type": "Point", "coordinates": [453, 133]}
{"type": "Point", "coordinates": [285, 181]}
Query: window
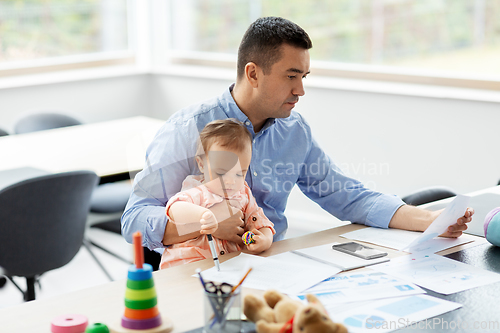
{"type": "Point", "coordinates": [63, 31]}
{"type": "Point", "coordinates": [379, 39]}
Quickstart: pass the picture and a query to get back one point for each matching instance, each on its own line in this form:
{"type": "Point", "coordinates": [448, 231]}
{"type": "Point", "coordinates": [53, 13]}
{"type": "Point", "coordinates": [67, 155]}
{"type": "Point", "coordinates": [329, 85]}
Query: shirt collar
{"type": "Point", "coordinates": [233, 111]}
{"type": "Point", "coordinates": [231, 108]}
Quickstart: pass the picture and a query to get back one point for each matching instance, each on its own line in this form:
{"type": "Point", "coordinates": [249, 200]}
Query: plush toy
{"type": "Point", "coordinates": [492, 227]}
{"type": "Point", "coordinates": [280, 314]}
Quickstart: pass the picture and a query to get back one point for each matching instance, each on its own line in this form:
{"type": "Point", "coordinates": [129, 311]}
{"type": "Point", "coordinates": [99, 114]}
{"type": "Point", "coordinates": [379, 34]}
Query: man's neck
{"type": "Point", "coordinates": [243, 100]}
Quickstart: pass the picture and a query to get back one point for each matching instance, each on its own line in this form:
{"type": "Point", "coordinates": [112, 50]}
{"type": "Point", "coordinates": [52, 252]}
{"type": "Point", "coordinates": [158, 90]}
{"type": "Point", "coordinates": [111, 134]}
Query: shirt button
{"type": "Point", "coordinates": [222, 253]}
{"type": "Point", "coordinates": [253, 140]}
{"type": "Point", "coordinates": [247, 123]}
{"type": "Point", "coordinates": [255, 174]}
{"type": "Point", "coordinates": [254, 219]}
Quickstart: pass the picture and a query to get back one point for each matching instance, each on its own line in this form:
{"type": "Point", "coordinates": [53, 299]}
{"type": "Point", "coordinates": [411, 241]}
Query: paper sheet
{"type": "Point", "coordinates": [448, 217]}
{"type": "Point", "coordinates": [442, 275]}
{"type": "Point", "coordinates": [398, 239]}
{"type": "Point", "coordinates": [289, 277]}
{"type": "Point", "coordinates": [394, 313]}
{"type": "Point", "coordinates": [325, 253]}
{"type": "Point", "coordinates": [353, 287]}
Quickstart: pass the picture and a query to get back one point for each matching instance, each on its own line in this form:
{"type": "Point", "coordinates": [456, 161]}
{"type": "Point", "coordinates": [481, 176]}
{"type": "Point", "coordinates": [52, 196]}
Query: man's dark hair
{"type": "Point", "coordinates": [262, 41]}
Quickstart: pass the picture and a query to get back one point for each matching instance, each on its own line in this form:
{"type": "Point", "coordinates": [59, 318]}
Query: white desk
{"type": "Point", "coordinates": [180, 296]}
{"type": "Point", "coordinates": [107, 148]}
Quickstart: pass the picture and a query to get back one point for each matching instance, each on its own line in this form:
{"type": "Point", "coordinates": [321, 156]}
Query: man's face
{"type": "Point", "coordinates": [281, 88]}
{"type": "Point", "coordinates": [225, 170]}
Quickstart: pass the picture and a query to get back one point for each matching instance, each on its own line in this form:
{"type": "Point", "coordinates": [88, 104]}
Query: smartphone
{"type": "Point", "coordinates": [359, 250]}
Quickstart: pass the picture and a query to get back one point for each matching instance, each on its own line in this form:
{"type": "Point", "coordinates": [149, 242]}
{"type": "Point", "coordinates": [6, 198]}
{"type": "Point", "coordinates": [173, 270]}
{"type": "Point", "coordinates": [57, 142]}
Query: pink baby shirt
{"type": "Point", "coordinates": [197, 248]}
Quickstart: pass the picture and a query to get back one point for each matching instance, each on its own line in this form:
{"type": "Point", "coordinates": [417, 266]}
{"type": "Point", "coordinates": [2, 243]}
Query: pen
{"type": "Point", "coordinates": [214, 252]}
{"type": "Point", "coordinates": [201, 279]}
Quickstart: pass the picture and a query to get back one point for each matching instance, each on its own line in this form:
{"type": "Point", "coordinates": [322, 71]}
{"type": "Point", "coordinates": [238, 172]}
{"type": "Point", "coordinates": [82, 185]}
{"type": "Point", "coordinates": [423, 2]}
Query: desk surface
{"type": "Point", "coordinates": [180, 296]}
{"type": "Point", "coordinates": [107, 148]}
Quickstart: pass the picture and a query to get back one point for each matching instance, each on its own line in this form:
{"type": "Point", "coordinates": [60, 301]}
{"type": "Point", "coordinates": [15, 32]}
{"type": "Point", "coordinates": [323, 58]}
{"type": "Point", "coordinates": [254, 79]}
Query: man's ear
{"type": "Point", "coordinates": [252, 73]}
{"type": "Point", "coordinates": [199, 161]}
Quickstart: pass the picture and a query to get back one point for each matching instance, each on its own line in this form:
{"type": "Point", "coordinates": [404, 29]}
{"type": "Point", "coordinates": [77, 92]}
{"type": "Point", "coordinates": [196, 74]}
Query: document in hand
{"type": "Point", "coordinates": [448, 217]}
{"type": "Point", "coordinates": [326, 255]}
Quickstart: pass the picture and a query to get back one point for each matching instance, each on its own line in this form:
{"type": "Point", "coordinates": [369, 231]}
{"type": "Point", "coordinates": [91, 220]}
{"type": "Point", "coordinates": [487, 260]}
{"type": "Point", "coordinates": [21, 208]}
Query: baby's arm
{"type": "Point", "coordinates": [263, 239]}
{"type": "Point", "coordinates": [187, 212]}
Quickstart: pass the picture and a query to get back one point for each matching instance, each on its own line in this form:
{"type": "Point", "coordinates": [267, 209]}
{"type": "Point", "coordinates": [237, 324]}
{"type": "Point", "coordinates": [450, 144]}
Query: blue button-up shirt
{"type": "Point", "coordinates": [284, 154]}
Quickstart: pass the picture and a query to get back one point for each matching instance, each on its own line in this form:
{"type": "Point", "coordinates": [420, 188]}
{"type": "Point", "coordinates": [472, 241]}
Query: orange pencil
{"type": "Point", "coordinates": [241, 281]}
{"type": "Point", "coordinates": [138, 251]}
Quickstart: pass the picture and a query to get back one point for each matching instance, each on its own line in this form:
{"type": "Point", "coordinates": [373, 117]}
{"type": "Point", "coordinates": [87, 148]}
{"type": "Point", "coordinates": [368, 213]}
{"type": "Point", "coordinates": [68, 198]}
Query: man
{"type": "Point", "coordinates": [273, 60]}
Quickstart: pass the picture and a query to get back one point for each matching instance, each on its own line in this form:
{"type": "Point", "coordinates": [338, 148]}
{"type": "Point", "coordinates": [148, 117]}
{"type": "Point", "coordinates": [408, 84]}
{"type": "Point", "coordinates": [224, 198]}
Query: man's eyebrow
{"type": "Point", "coordinates": [296, 70]}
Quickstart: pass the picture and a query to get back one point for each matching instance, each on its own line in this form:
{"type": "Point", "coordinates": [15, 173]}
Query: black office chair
{"type": "Point", "coordinates": [42, 224]}
{"type": "Point", "coordinates": [43, 121]}
{"type": "Point", "coordinates": [429, 194]}
{"type": "Point", "coordinates": [110, 198]}
{"type": "Point", "coordinates": [3, 280]}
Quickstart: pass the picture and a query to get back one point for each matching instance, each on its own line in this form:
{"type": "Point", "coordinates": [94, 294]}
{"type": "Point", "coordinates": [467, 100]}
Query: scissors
{"type": "Point", "coordinates": [219, 289]}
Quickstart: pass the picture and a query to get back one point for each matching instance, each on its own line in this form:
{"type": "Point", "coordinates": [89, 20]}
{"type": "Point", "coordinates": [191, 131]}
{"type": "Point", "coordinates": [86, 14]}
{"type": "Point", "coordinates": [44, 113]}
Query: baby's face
{"type": "Point", "coordinates": [225, 170]}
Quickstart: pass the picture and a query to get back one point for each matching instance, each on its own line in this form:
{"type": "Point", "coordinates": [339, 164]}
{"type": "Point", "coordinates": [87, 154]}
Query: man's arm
{"type": "Point", "coordinates": [230, 229]}
{"type": "Point", "coordinates": [168, 162]}
{"type": "Point", "coordinates": [417, 219]}
{"type": "Point", "coordinates": [348, 199]}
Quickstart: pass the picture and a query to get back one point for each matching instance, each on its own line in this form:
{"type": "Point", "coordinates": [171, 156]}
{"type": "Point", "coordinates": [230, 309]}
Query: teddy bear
{"type": "Point", "coordinates": [281, 314]}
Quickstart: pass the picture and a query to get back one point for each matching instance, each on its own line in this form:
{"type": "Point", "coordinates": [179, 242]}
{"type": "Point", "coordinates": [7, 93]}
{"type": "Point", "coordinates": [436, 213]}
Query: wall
{"type": "Point", "coordinates": [89, 100]}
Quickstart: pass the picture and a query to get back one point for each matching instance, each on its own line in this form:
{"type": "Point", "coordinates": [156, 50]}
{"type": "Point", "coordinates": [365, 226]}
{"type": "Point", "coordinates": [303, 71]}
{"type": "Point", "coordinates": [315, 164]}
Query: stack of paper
{"type": "Point", "coordinates": [390, 314]}
{"type": "Point", "coordinates": [354, 287]}
{"type": "Point", "coordinates": [442, 275]}
{"type": "Point", "coordinates": [287, 276]}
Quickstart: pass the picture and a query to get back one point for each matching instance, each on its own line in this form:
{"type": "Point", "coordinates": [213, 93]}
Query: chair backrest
{"type": "Point", "coordinates": [42, 221]}
{"type": "Point", "coordinates": [3, 133]}
{"type": "Point", "coordinates": [429, 194]}
{"type": "Point", "coordinates": [44, 121]}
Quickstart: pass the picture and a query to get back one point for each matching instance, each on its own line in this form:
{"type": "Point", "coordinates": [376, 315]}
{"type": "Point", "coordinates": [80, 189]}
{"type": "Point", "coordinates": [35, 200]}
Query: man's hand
{"type": "Point", "coordinates": [458, 228]}
{"type": "Point", "coordinates": [231, 229]}
{"type": "Point", "coordinates": [416, 219]}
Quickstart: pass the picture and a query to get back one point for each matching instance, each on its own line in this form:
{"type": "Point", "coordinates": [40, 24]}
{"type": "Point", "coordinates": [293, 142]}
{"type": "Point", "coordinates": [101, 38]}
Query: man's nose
{"type": "Point", "coordinates": [299, 89]}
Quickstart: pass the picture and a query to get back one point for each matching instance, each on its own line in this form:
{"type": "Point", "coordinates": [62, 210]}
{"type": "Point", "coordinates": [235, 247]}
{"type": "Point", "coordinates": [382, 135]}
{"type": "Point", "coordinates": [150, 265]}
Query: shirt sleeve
{"type": "Point", "coordinates": [170, 158]}
{"type": "Point", "coordinates": [254, 215]}
{"type": "Point", "coordinates": [342, 196]}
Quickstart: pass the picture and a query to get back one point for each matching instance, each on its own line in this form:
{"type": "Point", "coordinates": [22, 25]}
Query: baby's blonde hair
{"type": "Point", "coordinates": [229, 133]}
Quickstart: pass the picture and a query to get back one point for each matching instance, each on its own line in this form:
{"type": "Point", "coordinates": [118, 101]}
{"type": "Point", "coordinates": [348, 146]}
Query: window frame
{"type": "Point", "coordinates": [56, 64]}
{"type": "Point", "coordinates": [353, 71]}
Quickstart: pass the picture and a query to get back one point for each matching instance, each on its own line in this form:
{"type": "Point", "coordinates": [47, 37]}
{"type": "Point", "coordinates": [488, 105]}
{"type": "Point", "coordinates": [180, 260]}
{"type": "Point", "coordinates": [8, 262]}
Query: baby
{"type": "Point", "coordinates": [228, 150]}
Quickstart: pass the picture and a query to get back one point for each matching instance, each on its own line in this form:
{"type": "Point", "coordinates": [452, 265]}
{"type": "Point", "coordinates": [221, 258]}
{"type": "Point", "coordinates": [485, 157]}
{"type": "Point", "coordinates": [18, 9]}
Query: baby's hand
{"type": "Point", "coordinates": [261, 242]}
{"type": "Point", "coordinates": [208, 223]}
